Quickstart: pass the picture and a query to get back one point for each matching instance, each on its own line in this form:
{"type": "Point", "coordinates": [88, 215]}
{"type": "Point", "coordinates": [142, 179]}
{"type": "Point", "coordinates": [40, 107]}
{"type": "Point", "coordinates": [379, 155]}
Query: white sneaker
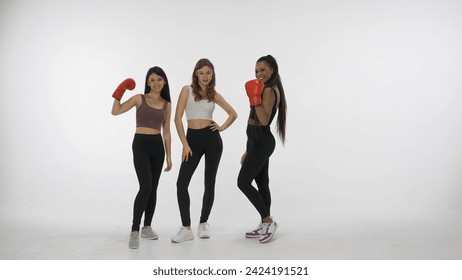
{"type": "Point", "coordinates": [183, 235]}
{"type": "Point", "coordinates": [147, 232]}
{"type": "Point", "coordinates": [268, 231]}
{"type": "Point", "coordinates": [203, 230]}
{"type": "Point", "coordinates": [134, 241]}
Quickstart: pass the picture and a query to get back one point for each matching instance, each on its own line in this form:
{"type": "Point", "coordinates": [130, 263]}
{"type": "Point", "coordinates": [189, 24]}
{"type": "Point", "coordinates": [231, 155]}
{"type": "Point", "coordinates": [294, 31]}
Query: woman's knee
{"type": "Point", "coordinates": [145, 189]}
{"type": "Point", "coordinates": [243, 183]}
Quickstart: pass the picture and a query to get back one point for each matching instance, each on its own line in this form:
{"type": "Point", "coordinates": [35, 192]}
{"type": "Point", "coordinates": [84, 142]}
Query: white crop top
{"type": "Point", "coordinates": [198, 110]}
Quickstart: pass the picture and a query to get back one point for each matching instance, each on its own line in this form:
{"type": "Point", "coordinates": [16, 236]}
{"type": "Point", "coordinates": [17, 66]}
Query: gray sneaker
{"type": "Point", "coordinates": [134, 241]}
{"type": "Point", "coordinates": [147, 232]}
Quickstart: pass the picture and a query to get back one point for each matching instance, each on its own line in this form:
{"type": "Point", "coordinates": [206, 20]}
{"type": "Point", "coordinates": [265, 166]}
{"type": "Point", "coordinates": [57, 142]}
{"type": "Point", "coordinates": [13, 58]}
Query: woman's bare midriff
{"type": "Point", "coordinates": [199, 124]}
{"type": "Point", "coordinates": [253, 122]}
{"type": "Point", "coordinates": [147, 130]}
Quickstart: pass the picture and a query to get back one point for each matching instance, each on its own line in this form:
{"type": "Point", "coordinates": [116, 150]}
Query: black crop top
{"type": "Point", "coordinates": [149, 117]}
{"type": "Point", "coordinates": [253, 113]}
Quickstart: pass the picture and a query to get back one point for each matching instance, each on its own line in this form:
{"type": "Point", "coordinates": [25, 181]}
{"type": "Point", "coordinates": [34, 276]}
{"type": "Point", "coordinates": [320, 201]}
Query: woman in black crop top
{"type": "Point", "coordinates": [150, 146]}
{"type": "Point", "coordinates": [266, 97]}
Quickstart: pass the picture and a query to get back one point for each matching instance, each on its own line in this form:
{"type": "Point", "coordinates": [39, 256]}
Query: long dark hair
{"type": "Point", "coordinates": [210, 90]}
{"type": "Point", "coordinates": [165, 92]}
{"type": "Point", "coordinates": [275, 80]}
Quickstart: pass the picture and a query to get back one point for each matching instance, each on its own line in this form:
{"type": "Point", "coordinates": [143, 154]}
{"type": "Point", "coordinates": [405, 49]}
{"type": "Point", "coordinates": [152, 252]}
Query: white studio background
{"type": "Point", "coordinates": [373, 91]}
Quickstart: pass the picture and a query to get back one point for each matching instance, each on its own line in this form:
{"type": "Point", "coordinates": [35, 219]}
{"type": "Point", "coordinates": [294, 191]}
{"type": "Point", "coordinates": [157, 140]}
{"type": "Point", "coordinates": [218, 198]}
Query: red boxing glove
{"type": "Point", "coordinates": [254, 90]}
{"type": "Point", "coordinates": [127, 84]}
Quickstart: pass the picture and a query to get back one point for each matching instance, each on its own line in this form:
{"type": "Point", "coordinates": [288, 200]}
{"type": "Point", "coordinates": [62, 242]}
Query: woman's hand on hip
{"type": "Point", "coordinates": [214, 126]}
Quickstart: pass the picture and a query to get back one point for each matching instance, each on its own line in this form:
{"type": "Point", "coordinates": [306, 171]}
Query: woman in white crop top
{"type": "Point", "coordinates": [202, 139]}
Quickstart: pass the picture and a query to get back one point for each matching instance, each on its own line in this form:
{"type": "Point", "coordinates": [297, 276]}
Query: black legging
{"type": "Point", "coordinates": [260, 146]}
{"type": "Point", "coordinates": [148, 157]}
{"type": "Point", "coordinates": [202, 142]}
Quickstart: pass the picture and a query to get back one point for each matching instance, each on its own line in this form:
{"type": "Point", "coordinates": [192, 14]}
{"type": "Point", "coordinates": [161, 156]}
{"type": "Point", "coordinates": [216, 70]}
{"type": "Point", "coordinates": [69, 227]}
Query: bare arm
{"type": "Point", "coordinates": [118, 108]}
{"type": "Point", "coordinates": [167, 137]}
{"type": "Point", "coordinates": [232, 115]}
{"type": "Point", "coordinates": [264, 110]}
{"type": "Point", "coordinates": [180, 107]}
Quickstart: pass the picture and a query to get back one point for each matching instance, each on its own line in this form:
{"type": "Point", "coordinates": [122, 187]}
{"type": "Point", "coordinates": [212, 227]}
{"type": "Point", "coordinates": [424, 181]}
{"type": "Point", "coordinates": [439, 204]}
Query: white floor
{"type": "Point", "coordinates": [45, 234]}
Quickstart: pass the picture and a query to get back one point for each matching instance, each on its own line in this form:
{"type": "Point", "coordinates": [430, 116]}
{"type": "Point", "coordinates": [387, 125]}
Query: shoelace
{"type": "Point", "coordinates": [204, 226]}
{"type": "Point", "coordinates": [265, 227]}
{"type": "Point", "coordinates": [149, 231]}
{"type": "Point", "coordinates": [259, 227]}
{"type": "Point", "coordinates": [134, 234]}
{"type": "Point", "coordinates": [181, 230]}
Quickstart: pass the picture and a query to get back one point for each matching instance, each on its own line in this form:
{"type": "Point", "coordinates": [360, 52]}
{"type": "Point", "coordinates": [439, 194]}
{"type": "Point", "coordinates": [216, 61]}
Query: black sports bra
{"type": "Point", "coordinates": [253, 113]}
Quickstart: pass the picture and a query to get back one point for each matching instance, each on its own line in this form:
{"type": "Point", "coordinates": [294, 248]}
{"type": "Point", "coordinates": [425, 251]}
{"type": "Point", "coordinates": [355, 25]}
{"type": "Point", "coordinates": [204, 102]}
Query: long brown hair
{"type": "Point", "coordinates": [210, 90]}
{"type": "Point", "coordinates": [275, 80]}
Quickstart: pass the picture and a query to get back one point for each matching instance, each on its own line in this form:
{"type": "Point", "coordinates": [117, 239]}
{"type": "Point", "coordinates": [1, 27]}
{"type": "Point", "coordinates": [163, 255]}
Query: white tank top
{"type": "Point", "coordinates": [198, 110]}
